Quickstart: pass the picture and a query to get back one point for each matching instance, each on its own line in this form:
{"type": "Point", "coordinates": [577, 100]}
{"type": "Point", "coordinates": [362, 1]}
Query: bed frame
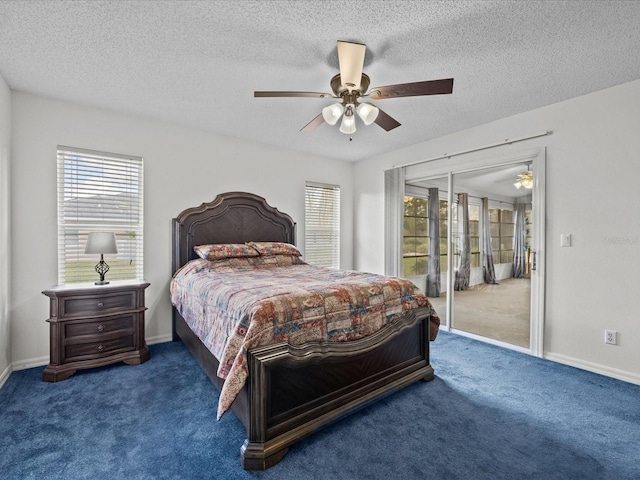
{"type": "Point", "coordinates": [292, 391]}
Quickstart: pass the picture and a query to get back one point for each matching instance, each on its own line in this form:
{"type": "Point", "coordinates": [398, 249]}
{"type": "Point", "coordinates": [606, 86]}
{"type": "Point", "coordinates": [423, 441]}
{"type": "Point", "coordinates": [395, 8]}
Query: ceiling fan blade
{"type": "Point", "coordinates": [293, 94]}
{"type": "Point", "coordinates": [351, 60]}
{"type": "Point", "coordinates": [428, 87]}
{"type": "Point", "coordinates": [313, 124]}
{"type": "Point", "coordinates": [385, 121]}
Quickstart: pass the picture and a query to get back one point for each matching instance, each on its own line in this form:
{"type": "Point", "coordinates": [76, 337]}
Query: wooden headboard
{"type": "Point", "coordinates": [233, 217]}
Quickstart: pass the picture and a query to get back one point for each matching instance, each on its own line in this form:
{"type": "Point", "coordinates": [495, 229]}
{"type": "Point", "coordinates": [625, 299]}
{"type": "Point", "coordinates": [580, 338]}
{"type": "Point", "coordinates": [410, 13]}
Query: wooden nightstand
{"type": "Point", "coordinates": [95, 325]}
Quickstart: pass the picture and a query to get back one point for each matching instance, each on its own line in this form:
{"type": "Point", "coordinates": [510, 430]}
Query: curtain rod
{"type": "Point", "coordinates": [497, 144]}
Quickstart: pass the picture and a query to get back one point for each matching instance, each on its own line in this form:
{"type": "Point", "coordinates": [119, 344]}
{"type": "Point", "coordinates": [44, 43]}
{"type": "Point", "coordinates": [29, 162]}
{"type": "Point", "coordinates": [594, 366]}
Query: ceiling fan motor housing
{"type": "Point", "coordinates": [339, 89]}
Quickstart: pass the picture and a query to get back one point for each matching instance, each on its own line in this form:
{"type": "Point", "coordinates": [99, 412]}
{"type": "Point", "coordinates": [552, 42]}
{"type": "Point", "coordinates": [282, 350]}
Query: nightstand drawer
{"type": "Point", "coordinates": [97, 304]}
{"type": "Point", "coordinates": [101, 327]}
{"type": "Point", "coordinates": [98, 349]}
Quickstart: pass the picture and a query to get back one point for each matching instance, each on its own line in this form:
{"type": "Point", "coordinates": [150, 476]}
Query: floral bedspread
{"type": "Point", "coordinates": [236, 304]}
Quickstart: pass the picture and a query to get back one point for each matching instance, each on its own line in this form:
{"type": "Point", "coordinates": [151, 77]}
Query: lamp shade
{"type": "Point", "coordinates": [348, 124]}
{"type": "Point", "coordinates": [332, 113]}
{"type": "Point", "coordinates": [101, 242]}
{"type": "Point", "coordinates": [368, 112]}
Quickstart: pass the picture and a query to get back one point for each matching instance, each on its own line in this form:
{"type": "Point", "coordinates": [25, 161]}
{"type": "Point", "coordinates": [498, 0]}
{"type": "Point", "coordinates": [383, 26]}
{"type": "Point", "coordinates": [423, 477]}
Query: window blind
{"type": "Point", "coordinates": [99, 192]}
{"type": "Point", "coordinates": [322, 225]}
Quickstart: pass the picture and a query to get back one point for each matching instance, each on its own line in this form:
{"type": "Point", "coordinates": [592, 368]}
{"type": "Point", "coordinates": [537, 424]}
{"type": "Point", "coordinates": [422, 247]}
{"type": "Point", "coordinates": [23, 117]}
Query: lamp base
{"type": "Point", "coordinates": [101, 269]}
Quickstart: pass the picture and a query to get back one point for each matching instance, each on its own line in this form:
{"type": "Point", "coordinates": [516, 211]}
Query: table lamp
{"type": "Point", "coordinates": [101, 242]}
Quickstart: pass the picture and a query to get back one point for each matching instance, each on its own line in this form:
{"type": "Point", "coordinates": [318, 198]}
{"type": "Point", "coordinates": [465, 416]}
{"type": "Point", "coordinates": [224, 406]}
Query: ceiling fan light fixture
{"type": "Point", "coordinates": [348, 125]}
{"type": "Point", "coordinates": [525, 179]}
{"type": "Point", "coordinates": [332, 113]}
{"type": "Point", "coordinates": [368, 112]}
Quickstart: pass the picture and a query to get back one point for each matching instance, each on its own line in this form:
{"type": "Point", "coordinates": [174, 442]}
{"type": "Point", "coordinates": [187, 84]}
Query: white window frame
{"type": "Point", "coordinates": [322, 224]}
{"type": "Point", "coordinates": [115, 184]}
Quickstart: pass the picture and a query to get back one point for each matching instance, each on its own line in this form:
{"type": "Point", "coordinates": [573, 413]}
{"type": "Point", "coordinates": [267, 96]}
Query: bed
{"type": "Point", "coordinates": [293, 390]}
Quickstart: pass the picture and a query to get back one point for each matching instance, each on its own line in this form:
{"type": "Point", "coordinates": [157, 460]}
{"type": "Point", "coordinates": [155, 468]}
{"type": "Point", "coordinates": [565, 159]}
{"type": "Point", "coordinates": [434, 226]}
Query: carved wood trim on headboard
{"type": "Point", "coordinates": [233, 217]}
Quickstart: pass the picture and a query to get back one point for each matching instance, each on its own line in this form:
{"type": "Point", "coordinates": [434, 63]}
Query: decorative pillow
{"type": "Point", "coordinates": [225, 250]}
{"type": "Point", "coordinates": [275, 248]}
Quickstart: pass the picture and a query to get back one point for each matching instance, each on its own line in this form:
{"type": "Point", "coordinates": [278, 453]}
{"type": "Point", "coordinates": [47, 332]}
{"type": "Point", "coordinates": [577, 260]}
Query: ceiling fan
{"type": "Point", "coordinates": [351, 84]}
{"type": "Point", "coordinates": [524, 179]}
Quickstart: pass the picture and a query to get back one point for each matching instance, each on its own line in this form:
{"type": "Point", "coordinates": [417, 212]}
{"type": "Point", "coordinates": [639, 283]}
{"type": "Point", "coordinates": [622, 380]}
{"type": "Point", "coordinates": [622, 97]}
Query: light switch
{"type": "Point", "coordinates": [565, 239]}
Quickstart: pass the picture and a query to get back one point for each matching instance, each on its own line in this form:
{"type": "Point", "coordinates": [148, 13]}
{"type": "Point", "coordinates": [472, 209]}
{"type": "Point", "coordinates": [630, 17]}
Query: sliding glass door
{"type": "Point", "coordinates": [472, 240]}
{"type": "Point", "coordinates": [491, 292]}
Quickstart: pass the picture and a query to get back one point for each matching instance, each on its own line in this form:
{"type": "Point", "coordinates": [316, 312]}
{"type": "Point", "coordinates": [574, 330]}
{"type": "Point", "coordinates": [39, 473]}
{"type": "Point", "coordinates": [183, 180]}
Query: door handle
{"type": "Point", "coordinates": [533, 260]}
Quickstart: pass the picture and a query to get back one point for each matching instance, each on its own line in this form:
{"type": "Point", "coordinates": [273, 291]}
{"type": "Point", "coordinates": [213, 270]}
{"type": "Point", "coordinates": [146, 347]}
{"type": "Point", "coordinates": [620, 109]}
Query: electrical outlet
{"type": "Point", "coordinates": [611, 337]}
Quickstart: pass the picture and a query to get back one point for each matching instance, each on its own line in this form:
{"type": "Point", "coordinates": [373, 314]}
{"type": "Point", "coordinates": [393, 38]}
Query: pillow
{"type": "Point", "coordinates": [216, 251]}
{"type": "Point", "coordinates": [287, 260]}
{"type": "Point", "coordinates": [275, 248]}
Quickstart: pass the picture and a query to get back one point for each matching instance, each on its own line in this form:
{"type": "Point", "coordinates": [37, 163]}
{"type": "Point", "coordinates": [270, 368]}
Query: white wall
{"type": "Point", "coordinates": [5, 253]}
{"type": "Point", "coordinates": [182, 168]}
{"type": "Point", "coordinates": [592, 192]}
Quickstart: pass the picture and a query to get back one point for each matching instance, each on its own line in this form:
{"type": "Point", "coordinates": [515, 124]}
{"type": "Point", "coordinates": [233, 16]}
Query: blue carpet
{"type": "Point", "coordinates": [490, 413]}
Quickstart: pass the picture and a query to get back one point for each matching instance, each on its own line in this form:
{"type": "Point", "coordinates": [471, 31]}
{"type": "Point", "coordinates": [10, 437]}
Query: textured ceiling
{"type": "Point", "coordinates": [197, 63]}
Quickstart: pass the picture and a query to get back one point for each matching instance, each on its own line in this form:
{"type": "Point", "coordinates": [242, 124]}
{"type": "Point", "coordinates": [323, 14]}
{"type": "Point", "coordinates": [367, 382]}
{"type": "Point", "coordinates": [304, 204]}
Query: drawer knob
{"type": "Point", "coordinates": [101, 328]}
{"type": "Point", "coordinates": [100, 348]}
{"type": "Point", "coordinates": [100, 304]}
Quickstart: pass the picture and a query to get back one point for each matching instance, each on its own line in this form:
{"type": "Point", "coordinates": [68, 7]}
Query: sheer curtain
{"type": "Point", "coordinates": [394, 218]}
{"type": "Point", "coordinates": [433, 272]}
{"type": "Point", "coordinates": [488, 268]}
{"type": "Point", "coordinates": [464, 247]}
{"type": "Point", "coordinates": [519, 254]}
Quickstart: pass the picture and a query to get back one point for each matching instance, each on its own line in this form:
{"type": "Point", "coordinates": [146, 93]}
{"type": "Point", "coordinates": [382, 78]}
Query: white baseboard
{"type": "Point", "coordinates": [42, 361]}
{"type": "Point", "coordinates": [595, 368]}
{"type": "Point", "coordinates": [5, 375]}
{"type": "Point", "coordinates": [158, 339]}
{"type": "Point", "coordinates": [30, 363]}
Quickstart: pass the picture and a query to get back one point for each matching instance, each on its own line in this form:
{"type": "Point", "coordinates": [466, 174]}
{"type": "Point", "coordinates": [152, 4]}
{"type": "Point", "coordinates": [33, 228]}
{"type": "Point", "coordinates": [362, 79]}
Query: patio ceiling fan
{"type": "Point", "coordinates": [350, 86]}
{"type": "Point", "coordinates": [524, 179]}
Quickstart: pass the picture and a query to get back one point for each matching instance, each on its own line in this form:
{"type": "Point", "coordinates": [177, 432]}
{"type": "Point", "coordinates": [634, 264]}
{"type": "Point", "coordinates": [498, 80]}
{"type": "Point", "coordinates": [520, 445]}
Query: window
{"type": "Point", "coordinates": [474, 235]}
{"type": "Point", "coordinates": [502, 229]}
{"type": "Point", "coordinates": [415, 239]}
{"type": "Point", "coordinates": [99, 192]}
{"type": "Point", "coordinates": [528, 223]}
{"type": "Point", "coordinates": [415, 243]}
{"type": "Point", "coordinates": [444, 225]}
{"type": "Point", "coordinates": [322, 225]}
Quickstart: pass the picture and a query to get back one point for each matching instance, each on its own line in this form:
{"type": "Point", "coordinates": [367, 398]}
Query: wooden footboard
{"type": "Point", "coordinates": [293, 391]}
